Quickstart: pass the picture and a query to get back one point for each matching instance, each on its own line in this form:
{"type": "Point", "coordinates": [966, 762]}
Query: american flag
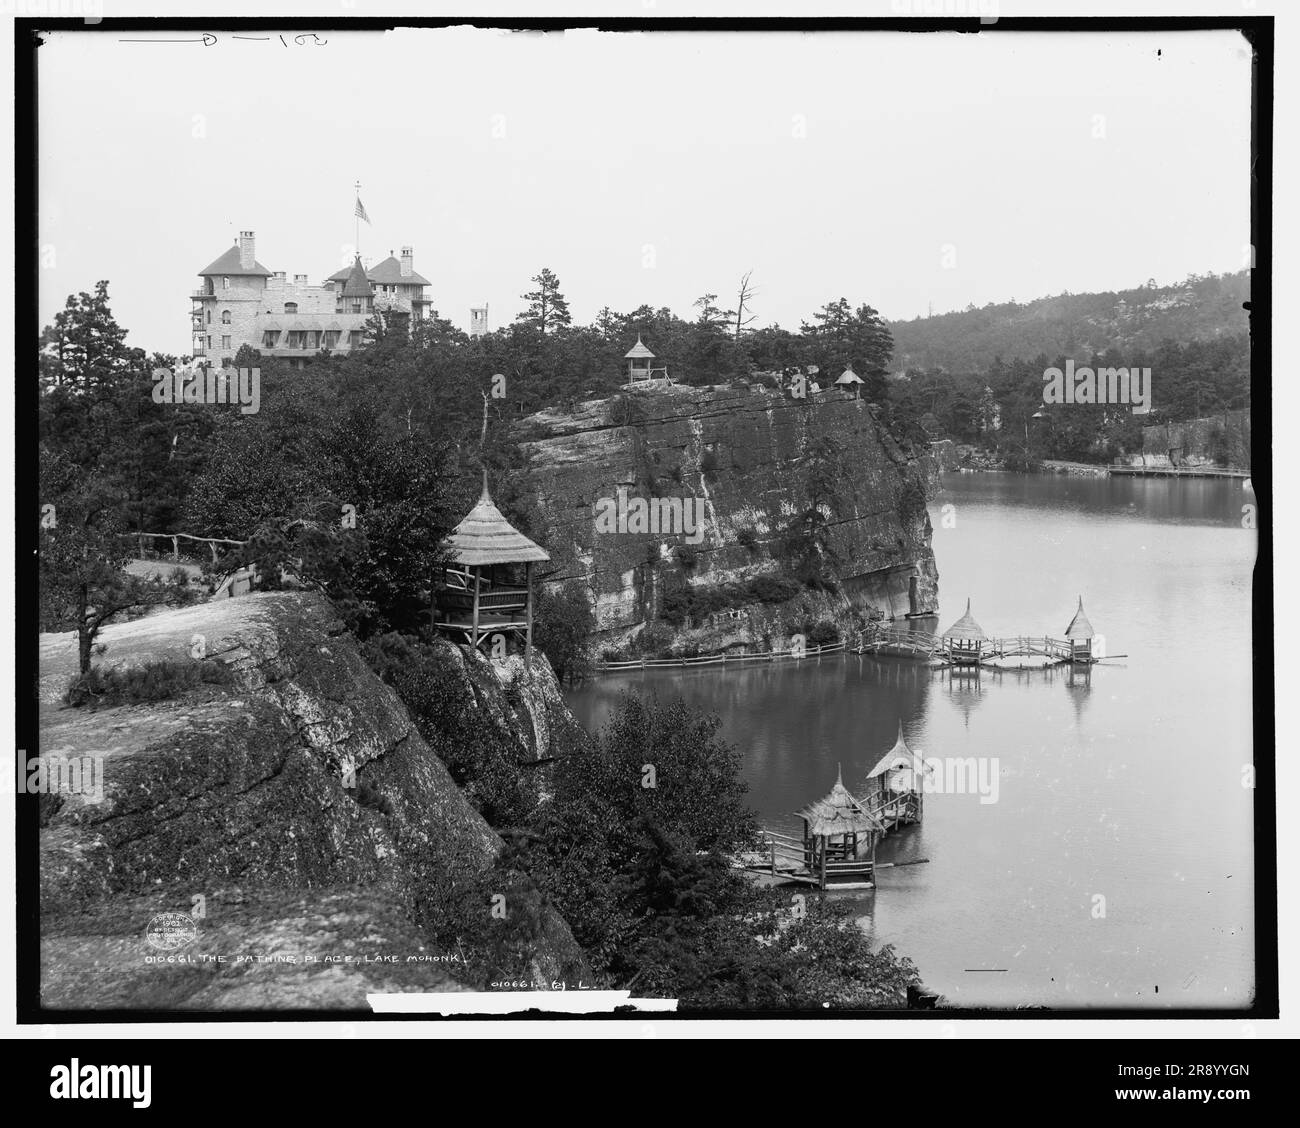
{"type": "Point", "coordinates": [361, 211]}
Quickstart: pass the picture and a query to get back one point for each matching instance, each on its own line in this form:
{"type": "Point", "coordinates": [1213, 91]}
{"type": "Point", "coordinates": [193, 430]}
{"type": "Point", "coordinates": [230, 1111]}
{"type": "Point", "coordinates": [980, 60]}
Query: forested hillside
{"type": "Point", "coordinates": [1204, 307]}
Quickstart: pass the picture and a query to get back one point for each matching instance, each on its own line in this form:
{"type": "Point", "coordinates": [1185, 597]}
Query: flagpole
{"type": "Point", "coordinates": [356, 222]}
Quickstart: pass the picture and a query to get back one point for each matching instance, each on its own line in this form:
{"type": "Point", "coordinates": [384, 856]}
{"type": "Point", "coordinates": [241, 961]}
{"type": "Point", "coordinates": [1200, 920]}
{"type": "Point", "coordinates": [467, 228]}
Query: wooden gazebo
{"type": "Point", "coordinates": [1080, 635]}
{"type": "Point", "coordinates": [839, 837]}
{"type": "Point", "coordinates": [480, 593]}
{"type": "Point", "coordinates": [896, 784]}
{"type": "Point", "coordinates": [641, 365]}
{"type": "Point", "coordinates": [850, 381]}
{"type": "Point", "coordinates": [964, 640]}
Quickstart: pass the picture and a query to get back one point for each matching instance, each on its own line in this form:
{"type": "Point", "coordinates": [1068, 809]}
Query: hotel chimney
{"type": "Point", "coordinates": [408, 262]}
{"type": "Point", "coordinates": [246, 259]}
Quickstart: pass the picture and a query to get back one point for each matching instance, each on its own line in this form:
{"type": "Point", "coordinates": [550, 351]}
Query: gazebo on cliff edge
{"type": "Point", "coordinates": [480, 592]}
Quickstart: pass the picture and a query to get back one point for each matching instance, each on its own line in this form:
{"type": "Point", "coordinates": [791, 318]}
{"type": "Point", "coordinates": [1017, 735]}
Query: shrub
{"type": "Point", "coordinates": [564, 623]}
{"type": "Point", "coordinates": [822, 634]}
{"type": "Point", "coordinates": [159, 680]}
{"type": "Point", "coordinates": [747, 538]}
{"type": "Point", "coordinates": [772, 589]}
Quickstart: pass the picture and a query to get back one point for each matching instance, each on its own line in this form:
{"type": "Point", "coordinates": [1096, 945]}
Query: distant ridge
{"type": "Point", "coordinates": [1202, 307]}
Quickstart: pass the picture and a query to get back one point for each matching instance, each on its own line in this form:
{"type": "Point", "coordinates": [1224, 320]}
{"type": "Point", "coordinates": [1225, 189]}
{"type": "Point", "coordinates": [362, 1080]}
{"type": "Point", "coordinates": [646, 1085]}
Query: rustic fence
{"type": "Point", "coordinates": [723, 659]}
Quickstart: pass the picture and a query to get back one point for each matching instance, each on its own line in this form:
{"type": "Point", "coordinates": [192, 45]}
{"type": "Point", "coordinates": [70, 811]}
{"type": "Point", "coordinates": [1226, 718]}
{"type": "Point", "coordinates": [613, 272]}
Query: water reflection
{"type": "Point", "coordinates": [1107, 774]}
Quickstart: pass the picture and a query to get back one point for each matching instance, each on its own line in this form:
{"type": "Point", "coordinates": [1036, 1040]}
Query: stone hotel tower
{"type": "Point", "coordinates": [241, 302]}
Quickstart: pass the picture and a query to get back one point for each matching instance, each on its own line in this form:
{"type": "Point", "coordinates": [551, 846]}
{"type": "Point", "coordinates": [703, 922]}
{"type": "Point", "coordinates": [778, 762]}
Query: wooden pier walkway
{"type": "Point", "coordinates": [903, 643]}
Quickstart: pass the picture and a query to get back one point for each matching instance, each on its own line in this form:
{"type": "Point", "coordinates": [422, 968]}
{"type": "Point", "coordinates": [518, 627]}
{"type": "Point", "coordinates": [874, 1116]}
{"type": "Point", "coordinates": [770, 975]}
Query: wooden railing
{"type": "Point", "coordinates": [176, 538]}
{"type": "Point", "coordinates": [1018, 646]}
{"type": "Point", "coordinates": [507, 599]}
{"type": "Point", "coordinates": [721, 659]}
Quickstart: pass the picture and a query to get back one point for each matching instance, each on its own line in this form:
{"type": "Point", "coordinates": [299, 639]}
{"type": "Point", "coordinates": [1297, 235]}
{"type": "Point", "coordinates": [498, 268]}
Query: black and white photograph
{"type": "Point", "coordinates": [645, 521]}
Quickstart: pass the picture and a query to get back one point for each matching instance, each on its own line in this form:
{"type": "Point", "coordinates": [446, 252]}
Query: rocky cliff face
{"type": "Point", "coordinates": [301, 812]}
{"type": "Point", "coordinates": [744, 456]}
{"type": "Point", "coordinates": [1220, 440]}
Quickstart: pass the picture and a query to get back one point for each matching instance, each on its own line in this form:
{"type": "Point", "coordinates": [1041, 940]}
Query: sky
{"type": "Point", "coordinates": [910, 171]}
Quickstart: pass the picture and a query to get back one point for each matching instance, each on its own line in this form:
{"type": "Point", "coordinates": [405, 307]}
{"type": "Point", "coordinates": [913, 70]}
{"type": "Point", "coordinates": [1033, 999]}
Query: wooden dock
{"type": "Point", "coordinates": [842, 831]}
{"type": "Point", "coordinates": [901, 643]}
{"type": "Point", "coordinates": [1177, 472]}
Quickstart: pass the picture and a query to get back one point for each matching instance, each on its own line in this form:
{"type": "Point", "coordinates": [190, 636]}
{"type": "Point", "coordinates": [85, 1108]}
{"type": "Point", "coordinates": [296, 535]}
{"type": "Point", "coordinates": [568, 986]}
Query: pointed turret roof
{"type": "Point", "coordinates": [966, 627]}
{"type": "Point", "coordinates": [848, 376]}
{"type": "Point", "coordinates": [638, 350]}
{"type": "Point", "coordinates": [228, 263]}
{"type": "Point", "coordinates": [1079, 626]}
{"type": "Point", "coordinates": [900, 756]}
{"type": "Point", "coordinates": [838, 813]}
{"type": "Point", "coordinates": [486, 537]}
{"type": "Point", "coordinates": [357, 285]}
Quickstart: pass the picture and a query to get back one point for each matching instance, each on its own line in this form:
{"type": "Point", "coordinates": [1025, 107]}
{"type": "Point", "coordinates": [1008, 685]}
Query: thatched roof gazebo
{"type": "Point", "coordinates": [480, 594]}
{"type": "Point", "coordinates": [1080, 635]}
{"type": "Point", "coordinates": [965, 639]}
{"type": "Point", "coordinates": [895, 784]}
{"type": "Point", "coordinates": [832, 828]}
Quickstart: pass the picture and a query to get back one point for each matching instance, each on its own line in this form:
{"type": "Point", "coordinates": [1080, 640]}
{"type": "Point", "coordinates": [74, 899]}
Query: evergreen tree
{"type": "Point", "coordinates": [547, 308]}
{"type": "Point", "coordinates": [84, 347]}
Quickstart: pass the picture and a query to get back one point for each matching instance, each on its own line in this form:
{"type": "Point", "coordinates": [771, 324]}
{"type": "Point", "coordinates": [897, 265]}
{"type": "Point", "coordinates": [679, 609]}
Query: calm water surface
{"type": "Point", "coordinates": [1125, 784]}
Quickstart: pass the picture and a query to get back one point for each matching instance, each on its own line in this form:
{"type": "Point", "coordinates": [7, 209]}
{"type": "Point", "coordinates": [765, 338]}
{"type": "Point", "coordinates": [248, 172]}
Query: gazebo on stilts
{"type": "Point", "coordinates": [1080, 636]}
{"type": "Point", "coordinates": [964, 640]}
{"type": "Point", "coordinates": [896, 786]}
{"type": "Point", "coordinates": [487, 587]}
{"type": "Point", "coordinates": [839, 839]}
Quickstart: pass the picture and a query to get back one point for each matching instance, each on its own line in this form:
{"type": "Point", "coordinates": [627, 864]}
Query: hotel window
{"type": "Point", "coordinates": [290, 307]}
{"type": "Point", "coordinates": [354, 338]}
{"type": "Point", "coordinates": [356, 305]}
{"type": "Point", "coordinates": [225, 283]}
{"type": "Point", "coordinates": [269, 337]}
{"type": "Point", "coordinates": [225, 317]}
{"type": "Point", "coordinates": [209, 340]}
{"type": "Point", "coordinates": [209, 317]}
{"type": "Point", "coordinates": [225, 341]}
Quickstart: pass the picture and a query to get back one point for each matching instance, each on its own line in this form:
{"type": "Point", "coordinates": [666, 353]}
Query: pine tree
{"type": "Point", "coordinates": [83, 348]}
{"type": "Point", "coordinates": [547, 308]}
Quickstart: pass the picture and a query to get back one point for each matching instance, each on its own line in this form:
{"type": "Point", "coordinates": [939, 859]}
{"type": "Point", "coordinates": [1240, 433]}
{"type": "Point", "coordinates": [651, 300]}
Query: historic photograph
{"type": "Point", "coordinates": [703, 522]}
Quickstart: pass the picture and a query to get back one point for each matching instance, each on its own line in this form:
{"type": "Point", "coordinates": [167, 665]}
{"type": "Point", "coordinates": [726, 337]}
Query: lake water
{"type": "Point", "coordinates": [1114, 868]}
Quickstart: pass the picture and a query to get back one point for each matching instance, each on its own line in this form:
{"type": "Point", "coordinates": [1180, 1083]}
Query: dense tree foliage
{"type": "Point", "coordinates": [1203, 307]}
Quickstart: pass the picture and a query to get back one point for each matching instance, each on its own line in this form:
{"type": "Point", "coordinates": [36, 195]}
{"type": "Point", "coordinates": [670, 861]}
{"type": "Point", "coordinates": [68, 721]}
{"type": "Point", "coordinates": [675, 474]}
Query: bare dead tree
{"type": "Point", "coordinates": [742, 303]}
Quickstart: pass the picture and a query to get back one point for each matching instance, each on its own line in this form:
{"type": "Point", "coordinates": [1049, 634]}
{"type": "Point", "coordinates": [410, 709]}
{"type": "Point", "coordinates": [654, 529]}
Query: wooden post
{"type": "Point", "coordinates": [176, 549]}
{"type": "Point", "coordinates": [773, 845]}
{"type": "Point", "coordinates": [478, 575]}
{"type": "Point", "coordinates": [433, 601]}
{"type": "Point", "coordinates": [823, 837]}
{"type": "Point", "coordinates": [528, 604]}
